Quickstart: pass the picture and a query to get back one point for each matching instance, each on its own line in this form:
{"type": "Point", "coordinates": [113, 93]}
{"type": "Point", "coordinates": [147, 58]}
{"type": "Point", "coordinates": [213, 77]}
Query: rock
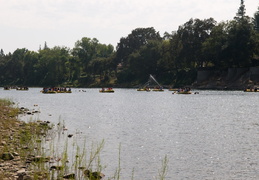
{"type": "Point", "coordinates": [69, 176]}
{"type": "Point", "coordinates": [44, 123]}
{"type": "Point", "coordinates": [7, 156]}
{"type": "Point", "coordinates": [15, 154]}
{"type": "Point", "coordinates": [21, 175]}
{"type": "Point", "coordinates": [93, 175]}
{"type": "Point", "coordinates": [38, 159]}
{"type": "Point", "coordinates": [3, 143]}
{"type": "Point", "coordinates": [29, 113]}
{"type": "Point", "coordinates": [27, 177]}
{"type": "Point", "coordinates": [17, 159]}
{"type": "Point", "coordinates": [21, 170]}
{"type": "Point", "coordinates": [56, 167]}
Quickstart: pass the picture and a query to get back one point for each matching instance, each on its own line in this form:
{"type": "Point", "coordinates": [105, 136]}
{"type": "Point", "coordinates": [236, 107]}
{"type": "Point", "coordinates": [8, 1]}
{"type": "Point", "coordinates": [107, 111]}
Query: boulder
{"type": "Point", "coordinates": [7, 156]}
{"type": "Point", "coordinates": [69, 176]}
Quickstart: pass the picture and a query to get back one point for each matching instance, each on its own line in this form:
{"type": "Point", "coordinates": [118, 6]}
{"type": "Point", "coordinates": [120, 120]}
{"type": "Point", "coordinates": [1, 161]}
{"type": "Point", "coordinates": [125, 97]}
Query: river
{"type": "Point", "coordinates": [210, 135]}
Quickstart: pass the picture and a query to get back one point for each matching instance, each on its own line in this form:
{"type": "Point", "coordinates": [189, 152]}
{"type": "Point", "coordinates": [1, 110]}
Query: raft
{"type": "Point", "coordinates": [146, 89]}
{"type": "Point", "coordinates": [109, 90]}
{"type": "Point", "coordinates": [158, 90]}
{"type": "Point", "coordinates": [64, 91]}
{"type": "Point", "coordinates": [49, 92]}
{"type": "Point", "coordinates": [22, 88]}
{"type": "Point", "coordinates": [183, 92]}
{"type": "Point", "coordinates": [251, 90]}
{"type": "Point", "coordinates": [55, 90]}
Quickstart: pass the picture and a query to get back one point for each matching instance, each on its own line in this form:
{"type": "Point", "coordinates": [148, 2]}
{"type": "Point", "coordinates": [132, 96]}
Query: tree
{"type": "Point", "coordinates": [165, 63]}
{"type": "Point", "coordinates": [45, 46]}
{"type": "Point", "coordinates": [241, 11]}
{"type": "Point", "coordinates": [131, 43]}
{"type": "Point", "coordinates": [214, 48]}
{"type": "Point", "coordinates": [2, 53]}
{"type": "Point", "coordinates": [189, 40]}
{"type": "Point", "coordinates": [84, 50]}
{"type": "Point", "coordinates": [52, 66]}
{"type": "Point", "coordinates": [256, 27]}
{"type": "Point", "coordinates": [16, 66]}
{"type": "Point", "coordinates": [73, 68]}
{"type": "Point", "coordinates": [240, 43]}
{"type": "Point", "coordinates": [30, 71]}
{"type": "Point", "coordinates": [144, 61]}
{"type": "Point", "coordinates": [88, 49]}
{"type": "Point", "coordinates": [256, 20]}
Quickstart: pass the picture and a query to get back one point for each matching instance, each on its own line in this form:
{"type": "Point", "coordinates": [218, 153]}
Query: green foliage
{"type": "Point", "coordinates": [240, 44]}
{"type": "Point", "coordinates": [214, 47]}
{"type": "Point", "coordinates": [144, 61]}
{"type": "Point", "coordinates": [138, 37]}
{"type": "Point", "coordinates": [192, 35]}
{"type": "Point", "coordinates": [125, 76]}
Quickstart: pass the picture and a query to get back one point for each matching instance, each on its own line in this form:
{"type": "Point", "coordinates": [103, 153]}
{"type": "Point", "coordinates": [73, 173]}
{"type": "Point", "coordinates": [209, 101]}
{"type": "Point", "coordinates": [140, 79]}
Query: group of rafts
{"type": "Point", "coordinates": [106, 90]}
{"type": "Point", "coordinates": [54, 90]}
{"type": "Point", "coordinates": [159, 88]}
{"type": "Point", "coordinates": [175, 91]}
{"type": "Point", "coordinates": [19, 88]}
{"type": "Point", "coordinates": [145, 87]}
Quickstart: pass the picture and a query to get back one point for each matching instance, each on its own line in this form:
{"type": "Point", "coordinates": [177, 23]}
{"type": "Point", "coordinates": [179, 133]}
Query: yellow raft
{"type": "Point", "coordinates": [143, 89]}
{"type": "Point", "coordinates": [183, 92]}
{"type": "Point", "coordinates": [158, 90]}
{"type": "Point", "coordinates": [108, 90]}
{"type": "Point", "coordinates": [251, 90]}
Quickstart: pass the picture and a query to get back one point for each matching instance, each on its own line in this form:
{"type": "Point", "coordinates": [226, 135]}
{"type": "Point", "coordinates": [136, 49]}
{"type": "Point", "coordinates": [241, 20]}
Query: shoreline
{"type": "Point", "coordinates": [23, 153]}
{"type": "Point", "coordinates": [16, 148]}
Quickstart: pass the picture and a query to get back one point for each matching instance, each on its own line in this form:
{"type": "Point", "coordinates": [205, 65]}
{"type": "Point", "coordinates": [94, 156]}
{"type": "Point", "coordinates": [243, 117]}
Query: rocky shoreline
{"type": "Point", "coordinates": [22, 149]}
{"type": "Point", "coordinates": [230, 79]}
{"type": "Point", "coordinates": [15, 137]}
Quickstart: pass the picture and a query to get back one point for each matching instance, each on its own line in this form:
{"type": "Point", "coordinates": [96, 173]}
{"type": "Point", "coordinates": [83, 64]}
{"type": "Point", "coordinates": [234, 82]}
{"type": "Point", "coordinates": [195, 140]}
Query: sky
{"type": "Point", "coordinates": [30, 23]}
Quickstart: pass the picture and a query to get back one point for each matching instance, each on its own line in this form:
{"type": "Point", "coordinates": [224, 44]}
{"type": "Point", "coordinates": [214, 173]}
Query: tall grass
{"type": "Point", "coordinates": [163, 171]}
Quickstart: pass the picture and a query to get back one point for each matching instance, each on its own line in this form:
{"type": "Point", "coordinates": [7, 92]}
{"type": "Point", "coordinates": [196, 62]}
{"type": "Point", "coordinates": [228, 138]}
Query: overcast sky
{"type": "Point", "coordinates": [29, 23]}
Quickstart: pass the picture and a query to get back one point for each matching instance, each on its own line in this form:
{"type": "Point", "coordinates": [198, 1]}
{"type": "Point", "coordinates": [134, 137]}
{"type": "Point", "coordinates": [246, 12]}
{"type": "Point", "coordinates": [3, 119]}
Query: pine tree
{"type": "Point", "coordinates": [241, 11]}
{"type": "Point", "coordinates": [46, 46]}
{"type": "Point", "coordinates": [256, 20]}
{"type": "Point", "coordinates": [2, 53]}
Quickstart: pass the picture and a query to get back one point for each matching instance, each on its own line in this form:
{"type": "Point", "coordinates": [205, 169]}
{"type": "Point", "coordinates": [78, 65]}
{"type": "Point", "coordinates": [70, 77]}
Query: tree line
{"type": "Point", "coordinates": [173, 58]}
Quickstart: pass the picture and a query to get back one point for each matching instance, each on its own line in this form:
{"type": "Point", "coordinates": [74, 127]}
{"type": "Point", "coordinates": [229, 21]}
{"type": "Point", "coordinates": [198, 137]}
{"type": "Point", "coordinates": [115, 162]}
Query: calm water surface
{"type": "Point", "coordinates": [210, 135]}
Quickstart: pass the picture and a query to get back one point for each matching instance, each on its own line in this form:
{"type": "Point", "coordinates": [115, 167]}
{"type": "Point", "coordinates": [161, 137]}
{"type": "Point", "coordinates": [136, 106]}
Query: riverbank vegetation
{"type": "Point", "coordinates": [173, 58]}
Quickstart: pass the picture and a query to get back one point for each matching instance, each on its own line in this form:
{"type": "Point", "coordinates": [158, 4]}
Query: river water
{"type": "Point", "coordinates": [210, 135]}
